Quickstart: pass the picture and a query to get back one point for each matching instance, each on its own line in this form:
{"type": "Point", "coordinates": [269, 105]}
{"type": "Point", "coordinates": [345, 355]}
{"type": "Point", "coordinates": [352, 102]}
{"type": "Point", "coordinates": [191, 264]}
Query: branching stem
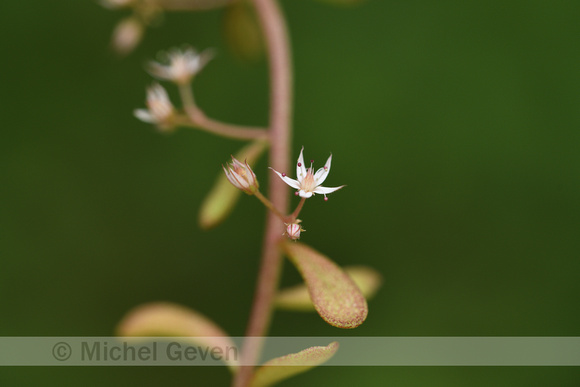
{"type": "Point", "coordinates": [270, 206]}
{"type": "Point", "coordinates": [196, 118]}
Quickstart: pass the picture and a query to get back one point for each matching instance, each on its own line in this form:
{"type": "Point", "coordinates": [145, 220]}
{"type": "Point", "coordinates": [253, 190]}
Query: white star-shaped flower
{"type": "Point", "coordinates": [309, 183]}
{"type": "Point", "coordinates": [182, 65]}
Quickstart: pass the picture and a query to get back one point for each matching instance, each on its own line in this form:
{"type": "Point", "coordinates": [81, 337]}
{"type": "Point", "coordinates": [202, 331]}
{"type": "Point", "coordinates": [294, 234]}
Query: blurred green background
{"type": "Point", "coordinates": [454, 124]}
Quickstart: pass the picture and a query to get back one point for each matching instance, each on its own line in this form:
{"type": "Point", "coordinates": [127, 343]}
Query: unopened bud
{"type": "Point", "coordinates": [293, 231]}
{"type": "Point", "coordinates": [127, 35]}
{"type": "Point", "coordinates": [241, 176]}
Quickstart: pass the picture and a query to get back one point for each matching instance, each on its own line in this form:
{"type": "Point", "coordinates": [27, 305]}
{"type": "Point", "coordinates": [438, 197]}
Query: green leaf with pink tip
{"type": "Point", "coordinates": [297, 298]}
{"type": "Point", "coordinates": [223, 197]}
{"type": "Point", "coordinates": [284, 367]}
{"type": "Point", "coordinates": [167, 319]}
{"type": "Point", "coordinates": [336, 297]}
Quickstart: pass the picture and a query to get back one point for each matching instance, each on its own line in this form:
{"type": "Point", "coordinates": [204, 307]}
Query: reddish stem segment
{"type": "Point", "coordinates": [297, 210]}
{"type": "Point", "coordinates": [276, 36]}
{"type": "Point", "coordinates": [197, 119]}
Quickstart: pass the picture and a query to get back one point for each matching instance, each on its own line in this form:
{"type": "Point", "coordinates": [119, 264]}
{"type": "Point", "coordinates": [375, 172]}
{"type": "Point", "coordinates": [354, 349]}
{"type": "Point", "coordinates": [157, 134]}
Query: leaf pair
{"type": "Point", "coordinates": [167, 319]}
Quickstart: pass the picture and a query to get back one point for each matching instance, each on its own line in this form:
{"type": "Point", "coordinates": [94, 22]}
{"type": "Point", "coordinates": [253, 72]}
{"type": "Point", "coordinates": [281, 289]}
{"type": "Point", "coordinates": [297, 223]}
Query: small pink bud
{"type": "Point", "coordinates": [293, 231]}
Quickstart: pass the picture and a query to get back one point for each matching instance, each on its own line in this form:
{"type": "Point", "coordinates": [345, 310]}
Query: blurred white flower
{"type": "Point", "coordinates": [160, 110]}
{"type": "Point", "coordinates": [309, 183]}
{"type": "Point", "coordinates": [182, 65]}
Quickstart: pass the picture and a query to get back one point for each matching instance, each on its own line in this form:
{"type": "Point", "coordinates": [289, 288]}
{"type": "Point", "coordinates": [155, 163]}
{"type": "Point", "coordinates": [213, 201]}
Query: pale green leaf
{"type": "Point", "coordinates": [243, 32]}
{"type": "Point", "coordinates": [297, 298]}
{"type": "Point", "coordinates": [281, 368]}
{"type": "Point", "coordinates": [223, 197]}
{"type": "Point", "coordinates": [335, 296]}
{"type": "Point", "coordinates": [167, 319]}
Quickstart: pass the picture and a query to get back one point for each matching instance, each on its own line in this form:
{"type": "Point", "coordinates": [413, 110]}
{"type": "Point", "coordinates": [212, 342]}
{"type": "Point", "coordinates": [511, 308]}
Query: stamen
{"type": "Point", "coordinates": [326, 168]}
{"type": "Point", "coordinates": [296, 193]}
{"type": "Point", "coordinates": [311, 161]}
{"type": "Point", "coordinates": [325, 198]}
{"type": "Point", "coordinates": [299, 164]}
{"type": "Point", "coordinates": [283, 175]}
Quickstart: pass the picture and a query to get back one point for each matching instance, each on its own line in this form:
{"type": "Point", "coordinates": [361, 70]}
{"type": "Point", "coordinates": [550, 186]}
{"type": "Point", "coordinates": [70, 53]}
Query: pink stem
{"type": "Point", "coordinates": [274, 30]}
{"type": "Point", "coordinates": [197, 119]}
{"type": "Point", "coordinates": [297, 210]}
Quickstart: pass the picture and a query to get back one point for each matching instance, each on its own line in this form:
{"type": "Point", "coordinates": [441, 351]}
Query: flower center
{"type": "Point", "coordinates": [308, 183]}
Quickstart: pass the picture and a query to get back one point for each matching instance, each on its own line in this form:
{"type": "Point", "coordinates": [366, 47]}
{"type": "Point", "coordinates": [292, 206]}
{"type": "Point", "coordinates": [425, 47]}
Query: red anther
{"type": "Point", "coordinates": [283, 175]}
{"type": "Point", "coordinates": [311, 161]}
{"type": "Point", "coordinates": [296, 193]}
{"type": "Point", "coordinates": [325, 199]}
{"type": "Point", "coordinates": [299, 164]}
{"type": "Point", "coordinates": [326, 168]}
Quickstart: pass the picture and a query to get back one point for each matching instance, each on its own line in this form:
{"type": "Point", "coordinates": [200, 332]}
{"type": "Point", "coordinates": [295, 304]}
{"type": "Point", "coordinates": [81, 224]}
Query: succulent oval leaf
{"type": "Point", "coordinates": [297, 298]}
{"type": "Point", "coordinates": [335, 296]}
{"type": "Point", "coordinates": [281, 368]}
{"type": "Point", "coordinates": [223, 197]}
{"type": "Point", "coordinates": [168, 319]}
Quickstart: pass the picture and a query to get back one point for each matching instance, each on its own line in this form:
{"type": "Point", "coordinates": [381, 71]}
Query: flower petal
{"type": "Point", "coordinates": [291, 182]}
{"type": "Point", "coordinates": [144, 115]}
{"type": "Point", "coordinates": [157, 92]}
{"type": "Point", "coordinates": [323, 172]}
{"type": "Point", "coordinates": [158, 70]}
{"type": "Point", "coordinates": [327, 190]}
{"type": "Point", "coordinates": [300, 168]}
{"type": "Point", "coordinates": [204, 57]}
